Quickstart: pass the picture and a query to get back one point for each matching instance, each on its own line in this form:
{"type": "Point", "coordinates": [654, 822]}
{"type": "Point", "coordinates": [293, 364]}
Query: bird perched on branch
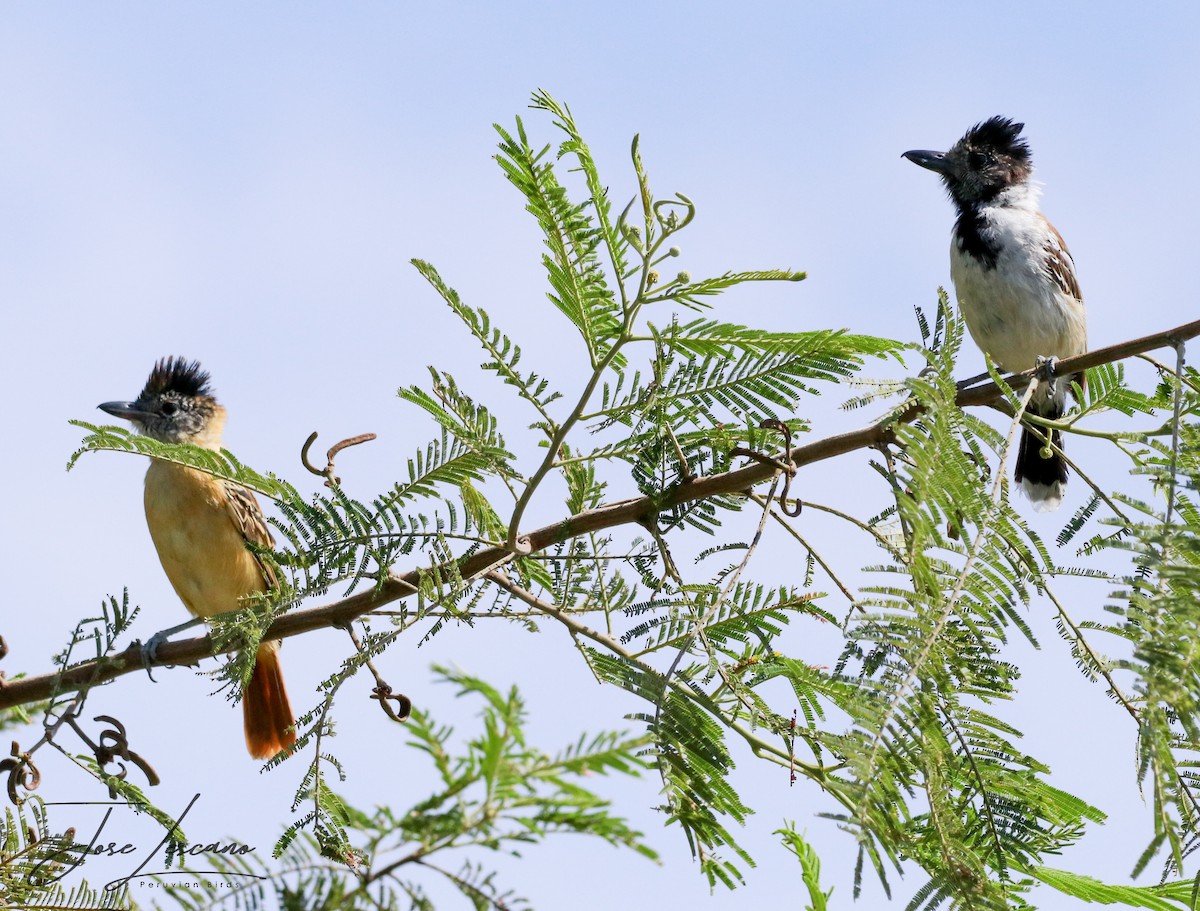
{"type": "Point", "coordinates": [1015, 281]}
{"type": "Point", "coordinates": [201, 525]}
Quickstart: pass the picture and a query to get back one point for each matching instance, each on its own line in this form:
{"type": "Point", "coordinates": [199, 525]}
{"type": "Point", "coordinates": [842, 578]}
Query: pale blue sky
{"type": "Point", "coordinates": [245, 185]}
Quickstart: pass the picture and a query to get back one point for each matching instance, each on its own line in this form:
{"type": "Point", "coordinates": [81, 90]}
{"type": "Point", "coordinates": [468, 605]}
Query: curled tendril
{"type": "Point", "coordinates": [114, 745]}
{"type": "Point", "coordinates": [331, 480]}
{"type": "Point", "coordinates": [22, 773]}
{"type": "Point", "coordinates": [521, 546]}
{"type": "Point", "coordinates": [786, 467]}
{"type": "Point", "coordinates": [403, 709]}
{"type": "Point", "coordinates": [382, 691]}
{"type": "Point", "coordinates": [669, 219]}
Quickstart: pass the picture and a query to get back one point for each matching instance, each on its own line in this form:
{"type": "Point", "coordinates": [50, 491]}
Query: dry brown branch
{"type": "Point", "coordinates": [638, 510]}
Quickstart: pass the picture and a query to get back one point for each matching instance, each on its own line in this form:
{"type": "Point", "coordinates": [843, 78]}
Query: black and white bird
{"type": "Point", "coordinates": [1014, 278]}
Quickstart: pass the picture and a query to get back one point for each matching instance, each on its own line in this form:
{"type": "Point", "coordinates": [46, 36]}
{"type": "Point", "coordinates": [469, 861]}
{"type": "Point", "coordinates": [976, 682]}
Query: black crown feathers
{"type": "Point", "coordinates": [178, 375]}
{"type": "Point", "coordinates": [1001, 135]}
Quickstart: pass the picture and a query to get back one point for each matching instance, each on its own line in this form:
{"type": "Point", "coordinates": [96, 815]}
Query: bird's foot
{"type": "Point", "coordinates": [151, 646]}
{"type": "Point", "coordinates": [1047, 368]}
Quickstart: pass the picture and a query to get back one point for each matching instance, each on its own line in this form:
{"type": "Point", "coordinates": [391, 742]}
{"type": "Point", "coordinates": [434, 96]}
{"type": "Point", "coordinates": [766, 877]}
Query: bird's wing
{"type": "Point", "coordinates": [1061, 267]}
{"type": "Point", "coordinates": [248, 517]}
{"type": "Point", "coordinates": [1059, 264]}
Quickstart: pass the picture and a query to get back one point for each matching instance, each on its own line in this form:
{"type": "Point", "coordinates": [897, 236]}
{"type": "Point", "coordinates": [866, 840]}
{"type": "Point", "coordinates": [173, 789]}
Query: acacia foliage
{"type": "Point", "coordinates": [906, 726]}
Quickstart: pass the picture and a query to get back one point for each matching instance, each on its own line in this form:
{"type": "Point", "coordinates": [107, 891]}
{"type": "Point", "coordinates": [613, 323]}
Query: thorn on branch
{"type": "Point", "coordinates": [331, 480]}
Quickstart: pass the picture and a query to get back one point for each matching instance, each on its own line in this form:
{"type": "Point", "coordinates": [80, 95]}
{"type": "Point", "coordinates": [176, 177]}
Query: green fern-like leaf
{"type": "Point", "coordinates": [579, 288]}
{"type": "Point", "coordinates": [504, 353]}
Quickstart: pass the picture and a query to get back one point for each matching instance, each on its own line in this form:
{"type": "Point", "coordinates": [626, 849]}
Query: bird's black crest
{"type": "Point", "coordinates": [178, 375]}
{"type": "Point", "coordinates": [1001, 135]}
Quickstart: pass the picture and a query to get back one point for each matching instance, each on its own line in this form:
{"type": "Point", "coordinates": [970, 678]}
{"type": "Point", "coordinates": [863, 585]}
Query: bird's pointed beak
{"type": "Point", "coordinates": [934, 161]}
{"type": "Point", "coordinates": [128, 411]}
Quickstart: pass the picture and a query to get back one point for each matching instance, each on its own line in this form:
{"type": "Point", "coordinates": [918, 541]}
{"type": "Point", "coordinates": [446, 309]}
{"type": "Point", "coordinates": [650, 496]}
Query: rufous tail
{"type": "Point", "coordinates": [265, 707]}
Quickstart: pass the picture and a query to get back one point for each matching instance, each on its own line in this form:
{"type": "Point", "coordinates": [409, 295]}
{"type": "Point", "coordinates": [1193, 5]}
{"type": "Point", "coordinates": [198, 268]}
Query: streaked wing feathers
{"type": "Point", "coordinates": [248, 516]}
{"type": "Point", "coordinates": [1059, 264]}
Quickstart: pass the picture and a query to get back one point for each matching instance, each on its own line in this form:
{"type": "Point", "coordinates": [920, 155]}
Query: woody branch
{"type": "Point", "coordinates": [638, 510]}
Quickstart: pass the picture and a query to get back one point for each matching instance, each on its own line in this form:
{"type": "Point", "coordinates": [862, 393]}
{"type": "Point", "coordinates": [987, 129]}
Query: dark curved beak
{"type": "Point", "coordinates": [128, 411]}
{"type": "Point", "coordinates": [934, 161]}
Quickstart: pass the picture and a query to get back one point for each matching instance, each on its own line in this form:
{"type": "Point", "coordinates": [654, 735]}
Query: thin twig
{"type": "Point", "coordinates": [787, 526]}
{"type": "Point", "coordinates": [702, 621]}
{"type": "Point", "coordinates": [857, 523]}
{"type": "Point", "coordinates": [760, 747]}
{"type": "Point", "coordinates": [1094, 659]}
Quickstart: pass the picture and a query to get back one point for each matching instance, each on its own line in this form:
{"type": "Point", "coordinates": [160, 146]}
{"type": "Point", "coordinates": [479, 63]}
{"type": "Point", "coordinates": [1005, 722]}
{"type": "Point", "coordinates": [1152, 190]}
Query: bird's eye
{"type": "Point", "coordinates": [169, 408]}
{"type": "Point", "coordinates": [977, 159]}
